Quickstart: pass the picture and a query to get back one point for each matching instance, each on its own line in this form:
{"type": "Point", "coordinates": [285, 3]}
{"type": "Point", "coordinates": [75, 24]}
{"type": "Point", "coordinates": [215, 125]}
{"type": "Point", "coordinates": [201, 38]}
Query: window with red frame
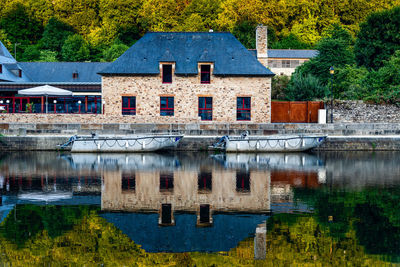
{"type": "Point", "coordinates": [205, 74]}
{"type": "Point", "coordinates": [242, 181]}
{"type": "Point", "coordinates": [167, 106]}
{"type": "Point", "coordinates": [129, 105]}
{"type": "Point", "coordinates": [243, 109]}
{"type": "Point", "coordinates": [166, 182]}
{"type": "Point", "coordinates": [167, 73]}
{"type": "Point", "coordinates": [128, 182]}
{"type": "Point", "coordinates": [205, 108]}
{"type": "Point", "coordinates": [19, 73]}
{"type": "Point", "coordinates": [204, 181]}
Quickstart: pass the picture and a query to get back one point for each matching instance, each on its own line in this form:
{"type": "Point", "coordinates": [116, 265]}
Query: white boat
{"type": "Point", "coordinates": [272, 143]}
{"type": "Point", "coordinates": [271, 161]}
{"type": "Point", "coordinates": [122, 144]}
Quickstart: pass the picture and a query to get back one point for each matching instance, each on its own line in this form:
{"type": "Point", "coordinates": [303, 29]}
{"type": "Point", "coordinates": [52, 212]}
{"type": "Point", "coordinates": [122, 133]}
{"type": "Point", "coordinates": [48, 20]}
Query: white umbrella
{"type": "Point", "coordinates": [45, 90]}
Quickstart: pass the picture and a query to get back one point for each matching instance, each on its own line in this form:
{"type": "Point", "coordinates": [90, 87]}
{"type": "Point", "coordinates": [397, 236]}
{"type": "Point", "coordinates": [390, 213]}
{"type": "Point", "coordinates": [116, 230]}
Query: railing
{"type": "Point", "coordinates": [67, 105]}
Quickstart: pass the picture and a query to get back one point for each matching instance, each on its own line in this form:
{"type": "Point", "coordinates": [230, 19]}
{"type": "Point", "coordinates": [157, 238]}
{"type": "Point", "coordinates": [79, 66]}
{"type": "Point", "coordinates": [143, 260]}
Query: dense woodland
{"type": "Point", "coordinates": [359, 38]}
{"type": "Point", "coordinates": [94, 30]}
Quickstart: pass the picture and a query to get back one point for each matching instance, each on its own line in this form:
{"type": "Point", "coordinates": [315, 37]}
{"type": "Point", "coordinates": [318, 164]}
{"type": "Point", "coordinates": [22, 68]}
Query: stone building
{"type": "Point", "coordinates": [172, 77]}
{"type": "Point", "coordinates": [178, 77]}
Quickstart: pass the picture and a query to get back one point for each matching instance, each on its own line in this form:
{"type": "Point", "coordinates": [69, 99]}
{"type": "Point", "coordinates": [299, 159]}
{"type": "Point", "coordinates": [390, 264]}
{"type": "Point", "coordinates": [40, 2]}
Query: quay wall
{"type": "Point", "coordinates": [341, 136]}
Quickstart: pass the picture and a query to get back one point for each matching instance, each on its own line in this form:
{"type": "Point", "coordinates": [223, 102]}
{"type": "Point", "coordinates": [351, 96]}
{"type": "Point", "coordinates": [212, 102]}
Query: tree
{"type": "Point", "coordinates": [278, 86]}
{"type": "Point", "coordinates": [206, 10]}
{"type": "Point", "coordinates": [290, 42]}
{"type": "Point", "coordinates": [75, 48]}
{"type": "Point", "coordinates": [333, 52]}
{"type": "Point", "coordinates": [54, 35]}
{"type": "Point", "coordinates": [305, 87]}
{"type": "Point", "coordinates": [245, 32]}
{"type": "Point", "coordinates": [114, 52]}
{"type": "Point", "coordinates": [378, 38]}
{"type": "Point", "coordinates": [31, 53]}
{"type": "Point", "coordinates": [48, 56]}
{"type": "Point", "coordinates": [19, 26]}
{"type": "Point", "coordinates": [383, 85]}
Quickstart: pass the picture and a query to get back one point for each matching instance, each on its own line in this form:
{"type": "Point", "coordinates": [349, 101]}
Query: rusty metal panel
{"type": "Point", "coordinates": [298, 112]}
{"type": "Point", "coordinates": [280, 111]}
{"type": "Point", "coordinates": [313, 107]}
{"type": "Point", "coordinates": [295, 111]}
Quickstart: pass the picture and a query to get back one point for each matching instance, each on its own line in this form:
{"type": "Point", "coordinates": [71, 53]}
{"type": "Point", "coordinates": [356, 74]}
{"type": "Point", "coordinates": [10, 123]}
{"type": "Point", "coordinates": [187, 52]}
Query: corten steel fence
{"type": "Point", "coordinates": [295, 111]}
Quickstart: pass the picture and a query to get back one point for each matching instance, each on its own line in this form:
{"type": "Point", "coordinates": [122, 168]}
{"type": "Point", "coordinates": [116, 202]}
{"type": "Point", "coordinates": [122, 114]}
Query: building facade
{"type": "Point", "coordinates": [187, 78]}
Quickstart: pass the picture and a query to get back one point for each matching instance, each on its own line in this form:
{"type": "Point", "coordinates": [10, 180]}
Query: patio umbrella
{"type": "Point", "coordinates": [45, 90]}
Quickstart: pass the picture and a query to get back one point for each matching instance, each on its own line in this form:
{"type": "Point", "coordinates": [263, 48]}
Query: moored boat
{"type": "Point", "coordinates": [272, 143]}
{"type": "Point", "coordinates": [122, 144]}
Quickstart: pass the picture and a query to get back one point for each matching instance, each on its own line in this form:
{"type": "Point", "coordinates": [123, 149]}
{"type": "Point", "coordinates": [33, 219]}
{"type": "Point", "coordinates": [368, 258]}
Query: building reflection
{"type": "Point", "coordinates": [204, 192]}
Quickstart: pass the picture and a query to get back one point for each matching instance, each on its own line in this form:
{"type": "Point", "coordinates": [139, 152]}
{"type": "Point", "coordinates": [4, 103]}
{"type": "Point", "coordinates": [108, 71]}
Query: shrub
{"type": "Point", "coordinates": [304, 88]}
{"type": "Point", "coordinates": [278, 87]}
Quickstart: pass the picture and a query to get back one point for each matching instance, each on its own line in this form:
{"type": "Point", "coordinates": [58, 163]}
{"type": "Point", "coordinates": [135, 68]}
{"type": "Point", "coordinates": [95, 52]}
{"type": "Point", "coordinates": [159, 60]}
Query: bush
{"type": "Point", "coordinates": [278, 87]}
{"type": "Point", "coordinates": [305, 88]}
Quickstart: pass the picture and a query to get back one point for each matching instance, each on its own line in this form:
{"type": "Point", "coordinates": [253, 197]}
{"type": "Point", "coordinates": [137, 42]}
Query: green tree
{"type": "Point", "coordinates": [4, 39]}
{"type": "Point", "coordinates": [332, 52]}
{"type": "Point", "coordinates": [54, 35]}
{"type": "Point", "coordinates": [290, 42]}
{"type": "Point", "coordinates": [160, 15]}
{"type": "Point", "coordinates": [205, 12]}
{"type": "Point", "coordinates": [31, 53]}
{"type": "Point", "coordinates": [305, 87]}
{"type": "Point", "coordinates": [245, 32]}
{"type": "Point", "coordinates": [278, 87]}
{"type": "Point", "coordinates": [19, 26]}
{"type": "Point", "coordinates": [48, 56]}
{"type": "Point", "coordinates": [348, 82]}
{"type": "Point", "coordinates": [75, 48]}
{"type": "Point", "coordinates": [114, 52]}
{"type": "Point", "coordinates": [378, 38]}
{"type": "Point", "coordinates": [383, 85]}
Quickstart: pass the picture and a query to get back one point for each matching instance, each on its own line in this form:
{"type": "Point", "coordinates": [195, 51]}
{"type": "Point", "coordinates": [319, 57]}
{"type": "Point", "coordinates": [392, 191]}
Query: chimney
{"type": "Point", "coordinates": [262, 44]}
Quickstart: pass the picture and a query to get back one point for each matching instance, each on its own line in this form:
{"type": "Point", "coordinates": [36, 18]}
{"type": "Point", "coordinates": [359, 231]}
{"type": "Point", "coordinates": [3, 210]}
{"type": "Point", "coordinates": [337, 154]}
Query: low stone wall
{"type": "Point", "coordinates": [205, 129]}
{"type": "Point", "coordinates": [360, 112]}
{"type": "Point", "coordinates": [341, 136]}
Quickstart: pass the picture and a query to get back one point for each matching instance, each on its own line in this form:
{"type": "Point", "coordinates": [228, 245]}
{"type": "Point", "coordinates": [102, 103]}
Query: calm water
{"type": "Point", "coordinates": [200, 209]}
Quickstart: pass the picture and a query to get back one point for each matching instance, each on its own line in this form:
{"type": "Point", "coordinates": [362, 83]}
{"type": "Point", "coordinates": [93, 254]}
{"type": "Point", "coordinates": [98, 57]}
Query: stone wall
{"type": "Point", "coordinates": [186, 91]}
{"type": "Point", "coordinates": [360, 112]}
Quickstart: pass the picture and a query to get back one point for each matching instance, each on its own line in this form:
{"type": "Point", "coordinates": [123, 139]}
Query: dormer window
{"type": "Point", "coordinates": [166, 73]}
{"type": "Point", "coordinates": [75, 75]}
{"type": "Point", "coordinates": [1, 68]}
{"type": "Point", "coordinates": [19, 73]}
{"type": "Point", "coordinates": [205, 74]}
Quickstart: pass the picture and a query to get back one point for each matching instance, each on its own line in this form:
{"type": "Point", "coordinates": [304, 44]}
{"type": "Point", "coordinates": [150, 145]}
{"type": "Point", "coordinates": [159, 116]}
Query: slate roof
{"type": "Point", "coordinates": [9, 64]}
{"type": "Point", "coordinates": [288, 53]}
{"type": "Point", "coordinates": [61, 72]}
{"type": "Point", "coordinates": [291, 53]}
{"type": "Point", "coordinates": [186, 49]}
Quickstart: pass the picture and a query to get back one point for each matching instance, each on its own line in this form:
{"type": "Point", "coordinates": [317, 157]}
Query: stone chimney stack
{"type": "Point", "coordinates": [262, 44]}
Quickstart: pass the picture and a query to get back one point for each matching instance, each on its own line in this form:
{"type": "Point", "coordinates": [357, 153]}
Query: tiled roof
{"type": "Point", "coordinates": [54, 72]}
{"type": "Point", "coordinates": [186, 49]}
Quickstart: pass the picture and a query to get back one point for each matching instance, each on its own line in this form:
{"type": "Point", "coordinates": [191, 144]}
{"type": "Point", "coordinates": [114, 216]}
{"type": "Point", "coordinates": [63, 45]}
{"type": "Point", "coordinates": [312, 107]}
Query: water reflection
{"type": "Point", "coordinates": [297, 207]}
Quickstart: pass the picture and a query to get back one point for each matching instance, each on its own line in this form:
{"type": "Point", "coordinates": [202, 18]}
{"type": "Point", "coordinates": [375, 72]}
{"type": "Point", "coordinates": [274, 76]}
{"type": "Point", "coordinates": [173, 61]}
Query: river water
{"type": "Point", "coordinates": [187, 209]}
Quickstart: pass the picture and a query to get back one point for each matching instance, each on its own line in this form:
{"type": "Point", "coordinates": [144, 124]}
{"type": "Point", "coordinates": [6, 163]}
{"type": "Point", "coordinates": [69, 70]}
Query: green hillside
{"type": "Point", "coordinates": [93, 30]}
